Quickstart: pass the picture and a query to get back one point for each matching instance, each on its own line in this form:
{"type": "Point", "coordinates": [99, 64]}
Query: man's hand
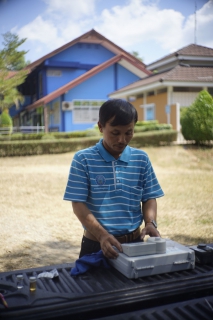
{"type": "Point", "coordinates": [93, 226]}
{"type": "Point", "coordinates": [106, 242]}
{"type": "Point", "coordinates": [149, 209]}
{"type": "Point", "coordinates": [149, 230]}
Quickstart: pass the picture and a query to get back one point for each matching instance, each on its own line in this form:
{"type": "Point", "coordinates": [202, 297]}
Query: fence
{"type": "Point", "coordinates": [22, 129]}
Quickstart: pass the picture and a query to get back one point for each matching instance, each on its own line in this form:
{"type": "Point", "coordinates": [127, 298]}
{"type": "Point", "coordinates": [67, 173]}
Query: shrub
{"type": "Point", "coordinates": [146, 123]}
{"type": "Point", "coordinates": [154, 138]}
{"type": "Point", "coordinates": [48, 136]}
{"type": "Point", "coordinates": [72, 134]}
{"type": "Point", "coordinates": [56, 135]}
{"type": "Point", "coordinates": [27, 136]}
{"type": "Point", "coordinates": [6, 122]}
{"type": "Point", "coordinates": [92, 133]}
{"type": "Point", "coordinates": [141, 126]}
{"type": "Point", "coordinates": [36, 147]}
{"type": "Point", "coordinates": [151, 126]}
{"type": "Point", "coordinates": [197, 120]}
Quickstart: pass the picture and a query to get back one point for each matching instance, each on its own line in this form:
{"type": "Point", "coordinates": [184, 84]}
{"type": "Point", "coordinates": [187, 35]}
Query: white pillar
{"type": "Point", "coordinates": [178, 116]}
{"type": "Point", "coordinates": [169, 95]}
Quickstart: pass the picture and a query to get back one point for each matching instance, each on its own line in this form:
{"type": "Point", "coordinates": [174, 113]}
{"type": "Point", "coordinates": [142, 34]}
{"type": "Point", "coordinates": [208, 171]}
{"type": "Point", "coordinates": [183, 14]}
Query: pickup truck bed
{"type": "Point", "coordinates": [107, 294]}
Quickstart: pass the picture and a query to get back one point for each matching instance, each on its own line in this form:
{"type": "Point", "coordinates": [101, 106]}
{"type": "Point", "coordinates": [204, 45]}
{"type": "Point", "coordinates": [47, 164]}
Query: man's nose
{"type": "Point", "coordinates": [122, 139]}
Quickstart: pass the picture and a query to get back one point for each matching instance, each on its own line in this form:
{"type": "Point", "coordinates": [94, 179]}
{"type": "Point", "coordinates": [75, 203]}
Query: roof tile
{"type": "Point", "coordinates": [179, 73]}
{"type": "Point", "coordinates": [190, 50]}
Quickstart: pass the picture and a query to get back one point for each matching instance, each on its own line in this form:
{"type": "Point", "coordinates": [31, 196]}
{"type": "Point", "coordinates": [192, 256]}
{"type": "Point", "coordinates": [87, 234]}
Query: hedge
{"type": "Point", "coordinates": [38, 147]}
{"type": "Point", "coordinates": [42, 135]}
{"type": "Point", "coordinates": [152, 127]}
{"type": "Point", "coordinates": [141, 126]}
{"type": "Point", "coordinates": [153, 138]}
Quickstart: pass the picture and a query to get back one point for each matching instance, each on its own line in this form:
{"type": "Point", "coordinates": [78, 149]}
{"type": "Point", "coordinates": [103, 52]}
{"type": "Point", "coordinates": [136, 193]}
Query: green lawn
{"type": "Point", "coordinates": [38, 228]}
{"type": "Point", "coordinates": [185, 173]}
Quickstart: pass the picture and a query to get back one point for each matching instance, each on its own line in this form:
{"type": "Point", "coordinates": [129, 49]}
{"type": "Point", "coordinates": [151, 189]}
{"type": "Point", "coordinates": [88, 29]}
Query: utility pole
{"type": "Point", "coordinates": [195, 30]}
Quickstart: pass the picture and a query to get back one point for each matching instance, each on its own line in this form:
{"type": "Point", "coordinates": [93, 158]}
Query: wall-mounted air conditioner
{"type": "Point", "coordinates": [67, 105]}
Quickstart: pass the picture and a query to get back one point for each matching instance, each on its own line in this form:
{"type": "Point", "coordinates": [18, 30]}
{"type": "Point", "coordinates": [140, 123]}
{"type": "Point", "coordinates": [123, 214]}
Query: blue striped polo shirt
{"type": "Point", "coordinates": [113, 189]}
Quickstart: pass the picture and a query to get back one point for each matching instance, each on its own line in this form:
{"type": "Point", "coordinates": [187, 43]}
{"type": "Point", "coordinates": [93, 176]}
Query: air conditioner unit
{"type": "Point", "coordinates": [67, 105]}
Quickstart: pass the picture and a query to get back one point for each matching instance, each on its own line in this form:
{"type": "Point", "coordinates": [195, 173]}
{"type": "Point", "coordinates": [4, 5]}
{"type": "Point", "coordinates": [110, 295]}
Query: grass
{"type": "Point", "coordinates": [38, 228]}
{"type": "Point", "coordinates": [185, 213]}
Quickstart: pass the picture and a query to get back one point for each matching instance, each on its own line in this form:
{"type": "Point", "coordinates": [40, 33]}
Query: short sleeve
{"type": "Point", "coordinates": [77, 183]}
{"type": "Point", "coordinates": [151, 186]}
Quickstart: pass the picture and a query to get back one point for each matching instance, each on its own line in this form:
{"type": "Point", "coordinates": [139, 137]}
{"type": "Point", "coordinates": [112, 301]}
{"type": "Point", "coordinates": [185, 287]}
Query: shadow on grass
{"type": "Point", "coordinates": [32, 255]}
{"type": "Point", "coordinates": [40, 254]}
{"type": "Point", "coordinates": [188, 240]}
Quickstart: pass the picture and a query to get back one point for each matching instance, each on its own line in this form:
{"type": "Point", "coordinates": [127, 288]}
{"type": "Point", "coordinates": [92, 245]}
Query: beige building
{"type": "Point", "coordinates": [175, 82]}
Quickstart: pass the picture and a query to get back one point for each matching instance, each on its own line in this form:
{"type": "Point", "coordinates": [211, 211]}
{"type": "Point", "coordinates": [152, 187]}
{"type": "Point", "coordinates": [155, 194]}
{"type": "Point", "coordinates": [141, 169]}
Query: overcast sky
{"type": "Point", "coordinates": [153, 28]}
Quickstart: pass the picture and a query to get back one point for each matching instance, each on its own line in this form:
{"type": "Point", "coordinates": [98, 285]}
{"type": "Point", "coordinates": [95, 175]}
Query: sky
{"type": "Point", "coordinates": [153, 28]}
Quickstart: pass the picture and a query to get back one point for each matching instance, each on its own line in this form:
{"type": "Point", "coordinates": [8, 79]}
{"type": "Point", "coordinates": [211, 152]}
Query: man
{"type": "Point", "coordinates": [108, 182]}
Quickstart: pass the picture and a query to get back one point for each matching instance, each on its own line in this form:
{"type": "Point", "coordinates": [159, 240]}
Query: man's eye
{"type": "Point", "coordinates": [115, 133]}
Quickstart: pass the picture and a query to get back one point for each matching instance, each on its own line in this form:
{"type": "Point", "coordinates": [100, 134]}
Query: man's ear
{"type": "Point", "coordinates": [100, 126]}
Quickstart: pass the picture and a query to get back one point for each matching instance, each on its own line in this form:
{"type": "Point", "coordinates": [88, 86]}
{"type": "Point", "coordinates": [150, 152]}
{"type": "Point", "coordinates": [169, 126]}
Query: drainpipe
{"type": "Point", "coordinates": [46, 124]}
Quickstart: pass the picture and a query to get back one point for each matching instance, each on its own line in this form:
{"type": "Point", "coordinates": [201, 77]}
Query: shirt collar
{"type": "Point", "coordinates": [125, 156]}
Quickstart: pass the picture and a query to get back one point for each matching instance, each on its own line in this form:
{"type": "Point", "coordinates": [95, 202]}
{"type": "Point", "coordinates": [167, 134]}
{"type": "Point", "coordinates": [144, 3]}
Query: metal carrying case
{"type": "Point", "coordinates": [203, 253]}
{"type": "Point", "coordinates": [156, 256]}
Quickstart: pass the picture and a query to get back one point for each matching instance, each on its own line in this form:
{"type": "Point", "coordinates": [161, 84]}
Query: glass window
{"type": "Point", "coordinates": [86, 111]}
{"type": "Point", "coordinates": [54, 73]}
{"type": "Point", "coordinates": [149, 111]}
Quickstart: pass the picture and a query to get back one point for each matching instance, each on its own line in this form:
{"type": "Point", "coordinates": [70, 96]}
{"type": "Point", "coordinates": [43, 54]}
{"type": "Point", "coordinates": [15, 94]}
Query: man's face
{"type": "Point", "coordinates": [116, 138]}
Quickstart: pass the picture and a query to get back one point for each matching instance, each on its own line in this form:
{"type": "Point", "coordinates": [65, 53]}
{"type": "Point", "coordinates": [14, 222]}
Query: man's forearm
{"type": "Point", "coordinates": [150, 213]}
{"type": "Point", "coordinates": [149, 209]}
{"type": "Point", "coordinates": [88, 220]}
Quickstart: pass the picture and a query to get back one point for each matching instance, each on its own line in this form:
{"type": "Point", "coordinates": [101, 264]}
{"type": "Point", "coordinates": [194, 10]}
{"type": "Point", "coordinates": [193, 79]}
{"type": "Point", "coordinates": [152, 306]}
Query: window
{"type": "Point", "coordinates": [186, 89]}
{"type": "Point", "coordinates": [140, 95]}
{"type": "Point", "coordinates": [149, 111]}
{"type": "Point", "coordinates": [150, 93]}
{"type": "Point", "coordinates": [163, 90]}
{"type": "Point", "coordinates": [53, 73]}
{"type": "Point", "coordinates": [86, 111]}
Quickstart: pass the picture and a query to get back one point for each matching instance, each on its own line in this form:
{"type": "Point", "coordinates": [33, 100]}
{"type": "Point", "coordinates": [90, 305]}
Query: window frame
{"type": "Point", "coordinates": [89, 108]}
{"type": "Point", "coordinates": [145, 108]}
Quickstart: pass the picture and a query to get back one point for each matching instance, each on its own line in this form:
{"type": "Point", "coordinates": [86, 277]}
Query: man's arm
{"type": "Point", "coordinates": [88, 220]}
{"type": "Point", "coordinates": [149, 209]}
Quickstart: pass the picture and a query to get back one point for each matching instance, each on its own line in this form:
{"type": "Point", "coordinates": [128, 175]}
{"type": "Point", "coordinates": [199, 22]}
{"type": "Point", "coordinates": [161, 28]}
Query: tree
{"type": "Point", "coordinates": [6, 122]}
{"type": "Point", "coordinates": [13, 59]}
{"type": "Point", "coordinates": [136, 55]}
{"type": "Point", "coordinates": [12, 72]}
{"type": "Point", "coordinates": [197, 120]}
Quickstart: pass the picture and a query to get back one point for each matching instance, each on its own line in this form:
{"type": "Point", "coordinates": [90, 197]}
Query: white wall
{"type": "Point", "coordinates": [185, 99]}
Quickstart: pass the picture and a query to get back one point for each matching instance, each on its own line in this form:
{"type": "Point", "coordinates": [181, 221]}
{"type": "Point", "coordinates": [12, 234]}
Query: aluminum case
{"type": "Point", "coordinates": [175, 258]}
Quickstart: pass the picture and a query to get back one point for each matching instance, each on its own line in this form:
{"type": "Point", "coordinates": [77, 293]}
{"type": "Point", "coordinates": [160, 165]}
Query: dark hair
{"type": "Point", "coordinates": [120, 111]}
